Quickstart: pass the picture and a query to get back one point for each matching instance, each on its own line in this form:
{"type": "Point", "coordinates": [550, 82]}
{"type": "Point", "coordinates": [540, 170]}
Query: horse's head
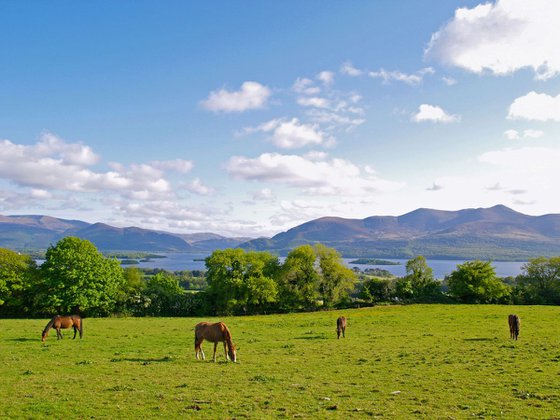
{"type": "Point", "coordinates": [232, 353]}
{"type": "Point", "coordinates": [44, 336]}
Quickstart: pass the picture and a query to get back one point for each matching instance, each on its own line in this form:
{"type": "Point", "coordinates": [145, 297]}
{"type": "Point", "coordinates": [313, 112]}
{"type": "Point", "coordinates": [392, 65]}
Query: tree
{"type": "Point", "coordinates": [78, 278]}
{"type": "Point", "coordinates": [540, 281]}
{"type": "Point", "coordinates": [377, 289]}
{"type": "Point", "coordinates": [418, 284]}
{"type": "Point", "coordinates": [335, 279]}
{"type": "Point", "coordinates": [17, 275]}
{"type": "Point", "coordinates": [165, 294]}
{"type": "Point", "coordinates": [241, 282]}
{"type": "Point", "coordinates": [298, 280]}
{"type": "Point", "coordinates": [476, 282]}
{"type": "Point", "coordinates": [131, 298]}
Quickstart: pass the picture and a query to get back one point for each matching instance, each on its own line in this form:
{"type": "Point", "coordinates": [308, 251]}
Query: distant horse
{"type": "Point", "coordinates": [340, 327]}
{"type": "Point", "coordinates": [514, 324]}
{"type": "Point", "coordinates": [59, 322]}
{"type": "Point", "coordinates": [215, 333]}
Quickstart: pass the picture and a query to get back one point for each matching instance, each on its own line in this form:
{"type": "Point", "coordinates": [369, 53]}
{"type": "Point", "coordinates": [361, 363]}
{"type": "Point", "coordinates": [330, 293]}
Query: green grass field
{"type": "Point", "coordinates": [432, 361]}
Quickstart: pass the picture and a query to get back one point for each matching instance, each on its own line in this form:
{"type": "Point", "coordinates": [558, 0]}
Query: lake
{"type": "Point", "coordinates": [195, 261]}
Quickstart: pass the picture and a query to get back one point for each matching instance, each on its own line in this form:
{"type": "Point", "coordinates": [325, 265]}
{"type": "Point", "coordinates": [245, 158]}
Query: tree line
{"type": "Point", "coordinates": [77, 278]}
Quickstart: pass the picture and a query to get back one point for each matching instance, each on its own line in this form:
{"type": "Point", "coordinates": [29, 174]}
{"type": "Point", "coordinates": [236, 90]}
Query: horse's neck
{"type": "Point", "coordinates": [49, 325]}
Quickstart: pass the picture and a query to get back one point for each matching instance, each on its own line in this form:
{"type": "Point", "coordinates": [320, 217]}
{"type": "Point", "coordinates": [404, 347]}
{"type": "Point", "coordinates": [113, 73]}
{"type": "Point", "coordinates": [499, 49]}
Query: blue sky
{"type": "Point", "coordinates": [251, 117]}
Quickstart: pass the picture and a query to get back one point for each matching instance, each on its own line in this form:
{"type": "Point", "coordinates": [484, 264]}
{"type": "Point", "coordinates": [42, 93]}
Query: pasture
{"type": "Point", "coordinates": [432, 361]}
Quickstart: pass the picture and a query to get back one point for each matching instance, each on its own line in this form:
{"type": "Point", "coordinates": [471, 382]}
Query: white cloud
{"type": "Point", "coordinates": [536, 106]}
{"type": "Point", "coordinates": [179, 165]}
{"type": "Point", "coordinates": [252, 95]}
{"type": "Point", "coordinates": [435, 187]}
{"type": "Point", "coordinates": [197, 187]}
{"type": "Point", "coordinates": [435, 114]}
{"type": "Point", "coordinates": [327, 77]}
{"type": "Point", "coordinates": [533, 134]}
{"type": "Point", "coordinates": [501, 38]}
{"type": "Point", "coordinates": [526, 159]}
{"type": "Point", "coordinates": [334, 177]}
{"type": "Point", "coordinates": [291, 134]}
{"type": "Point", "coordinates": [348, 69]}
{"type": "Point", "coordinates": [409, 79]}
{"type": "Point", "coordinates": [449, 81]}
{"type": "Point", "coordinates": [512, 134]}
{"type": "Point", "coordinates": [264, 194]}
{"type": "Point", "coordinates": [305, 86]}
{"type": "Point", "coordinates": [314, 102]}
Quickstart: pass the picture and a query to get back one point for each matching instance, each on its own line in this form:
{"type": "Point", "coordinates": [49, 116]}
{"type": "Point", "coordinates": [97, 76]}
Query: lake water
{"type": "Point", "coordinates": [195, 261]}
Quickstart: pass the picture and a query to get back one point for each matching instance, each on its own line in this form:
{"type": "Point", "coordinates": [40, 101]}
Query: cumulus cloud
{"type": "Point", "coordinates": [530, 133]}
{"type": "Point", "coordinates": [349, 70]}
{"type": "Point", "coordinates": [264, 194]}
{"type": "Point", "coordinates": [314, 101]}
{"type": "Point", "coordinates": [179, 165]}
{"type": "Point", "coordinates": [501, 38]}
{"type": "Point", "coordinates": [291, 134]}
{"type": "Point", "coordinates": [409, 79]}
{"type": "Point", "coordinates": [536, 106]}
{"type": "Point", "coordinates": [251, 95]}
{"type": "Point", "coordinates": [525, 159]}
{"type": "Point", "coordinates": [198, 187]}
{"type": "Point", "coordinates": [333, 177]}
{"type": "Point", "coordinates": [434, 114]}
{"type": "Point", "coordinates": [327, 77]}
{"type": "Point", "coordinates": [305, 86]}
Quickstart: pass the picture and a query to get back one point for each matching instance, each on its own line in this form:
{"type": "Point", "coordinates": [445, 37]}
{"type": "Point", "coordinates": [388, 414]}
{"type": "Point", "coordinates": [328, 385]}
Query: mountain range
{"type": "Point", "coordinates": [497, 232]}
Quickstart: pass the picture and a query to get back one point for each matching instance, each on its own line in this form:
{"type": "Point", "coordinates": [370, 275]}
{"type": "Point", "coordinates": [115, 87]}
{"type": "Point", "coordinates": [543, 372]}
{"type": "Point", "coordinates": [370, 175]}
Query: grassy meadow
{"type": "Point", "coordinates": [432, 361]}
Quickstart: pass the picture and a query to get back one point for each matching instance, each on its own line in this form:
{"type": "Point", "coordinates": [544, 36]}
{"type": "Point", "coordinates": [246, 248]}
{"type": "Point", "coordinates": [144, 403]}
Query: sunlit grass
{"type": "Point", "coordinates": [433, 361]}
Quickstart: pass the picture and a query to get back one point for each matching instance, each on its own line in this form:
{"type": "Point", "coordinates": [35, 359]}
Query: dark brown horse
{"type": "Point", "coordinates": [341, 327]}
{"type": "Point", "coordinates": [214, 332]}
{"type": "Point", "coordinates": [59, 322]}
{"type": "Point", "coordinates": [514, 325]}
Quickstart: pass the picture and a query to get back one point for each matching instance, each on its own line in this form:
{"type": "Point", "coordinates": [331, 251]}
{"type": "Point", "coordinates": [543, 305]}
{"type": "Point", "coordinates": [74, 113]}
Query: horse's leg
{"type": "Point", "coordinates": [58, 334]}
{"type": "Point", "coordinates": [75, 331]}
{"type": "Point", "coordinates": [344, 332]}
{"type": "Point", "coordinates": [215, 347]}
{"type": "Point", "coordinates": [225, 351]}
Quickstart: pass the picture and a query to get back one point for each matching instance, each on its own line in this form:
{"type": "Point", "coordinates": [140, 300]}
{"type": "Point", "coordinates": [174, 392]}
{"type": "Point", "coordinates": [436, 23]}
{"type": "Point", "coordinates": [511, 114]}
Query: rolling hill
{"type": "Point", "coordinates": [497, 232]}
{"type": "Point", "coordinates": [487, 233]}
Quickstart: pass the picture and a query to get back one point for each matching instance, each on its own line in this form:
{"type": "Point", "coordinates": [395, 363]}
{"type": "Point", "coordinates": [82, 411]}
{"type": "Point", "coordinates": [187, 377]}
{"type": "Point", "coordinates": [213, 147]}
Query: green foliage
{"type": "Point", "coordinates": [298, 280]}
{"type": "Point", "coordinates": [419, 284]}
{"type": "Point", "coordinates": [241, 282]}
{"type": "Point", "coordinates": [17, 276]}
{"type": "Point", "coordinates": [476, 282]}
{"type": "Point", "coordinates": [78, 278]}
{"type": "Point", "coordinates": [375, 290]}
{"type": "Point", "coordinates": [165, 294]}
{"type": "Point", "coordinates": [335, 279]}
{"type": "Point", "coordinates": [540, 281]}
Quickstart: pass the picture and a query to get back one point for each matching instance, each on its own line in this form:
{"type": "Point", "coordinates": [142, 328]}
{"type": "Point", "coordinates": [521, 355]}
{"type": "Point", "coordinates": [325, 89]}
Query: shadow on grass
{"type": "Point", "coordinates": [144, 360]}
{"type": "Point", "coordinates": [480, 339]}
{"type": "Point", "coordinates": [312, 337]}
{"type": "Point", "coordinates": [22, 340]}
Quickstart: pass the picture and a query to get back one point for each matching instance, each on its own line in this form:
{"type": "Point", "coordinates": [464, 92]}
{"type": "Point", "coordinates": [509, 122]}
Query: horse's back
{"type": "Point", "coordinates": [211, 331]}
{"type": "Point", "coordinates": [341, 322]}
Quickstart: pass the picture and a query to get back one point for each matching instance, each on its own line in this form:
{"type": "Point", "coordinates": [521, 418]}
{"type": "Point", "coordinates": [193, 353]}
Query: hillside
{"type": "Point", "coordinates": [488, 233]}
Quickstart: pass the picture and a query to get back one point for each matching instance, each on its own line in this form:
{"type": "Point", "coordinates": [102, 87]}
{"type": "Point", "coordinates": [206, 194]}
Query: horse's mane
{"type": "Point", "coordinates": [49, 325]}
{"type": "Point", "coordinates": [227, 336]}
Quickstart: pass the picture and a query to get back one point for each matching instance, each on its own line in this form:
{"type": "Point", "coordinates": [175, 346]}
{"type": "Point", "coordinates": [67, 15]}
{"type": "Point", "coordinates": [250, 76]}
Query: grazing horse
{"type": "Point", "coordinates": [340, 327]}
{"type": "Point", "coordinates": [59, 322]}
{"type": "Point", "coordinates": [514, 324]}
{"type": "Point", "coordinates": [214, 332]}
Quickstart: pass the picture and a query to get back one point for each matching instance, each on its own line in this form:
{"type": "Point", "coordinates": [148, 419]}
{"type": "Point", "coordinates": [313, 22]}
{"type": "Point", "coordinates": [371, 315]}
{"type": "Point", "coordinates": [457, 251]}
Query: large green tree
{"type": "Point", "coordinates": [476, 282]}
{"type": "Point", "coordinates": [299, 279]}
{"type": "Point", "coordinates": [241, 282]}
{"type": "Point", "coordinates": [418, 284]}
{"type": "Point", "coordinates": [18, 274]}
{"type": "Point", "coordinates": [540, 281]}
{"type": "Point", "coordinates": [335, 279]}
{"type": "Point", "coordinates": [77, 277]}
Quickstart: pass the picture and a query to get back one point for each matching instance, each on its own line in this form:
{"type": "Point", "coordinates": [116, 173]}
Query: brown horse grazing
{"type": "Point", "coordinates": [514, 324]}
{"type": "Point", "coordinates": [59, 322]}
{"type": "Point", "coordinates": [341, 327]}
{"type": "Point", "coordinates": [214, 332]}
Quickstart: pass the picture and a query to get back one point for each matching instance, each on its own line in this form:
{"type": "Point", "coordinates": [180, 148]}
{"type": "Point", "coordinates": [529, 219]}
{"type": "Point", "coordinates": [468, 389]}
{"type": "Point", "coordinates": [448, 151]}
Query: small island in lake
{"type": "Point", "coordinates": [373, 261]}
